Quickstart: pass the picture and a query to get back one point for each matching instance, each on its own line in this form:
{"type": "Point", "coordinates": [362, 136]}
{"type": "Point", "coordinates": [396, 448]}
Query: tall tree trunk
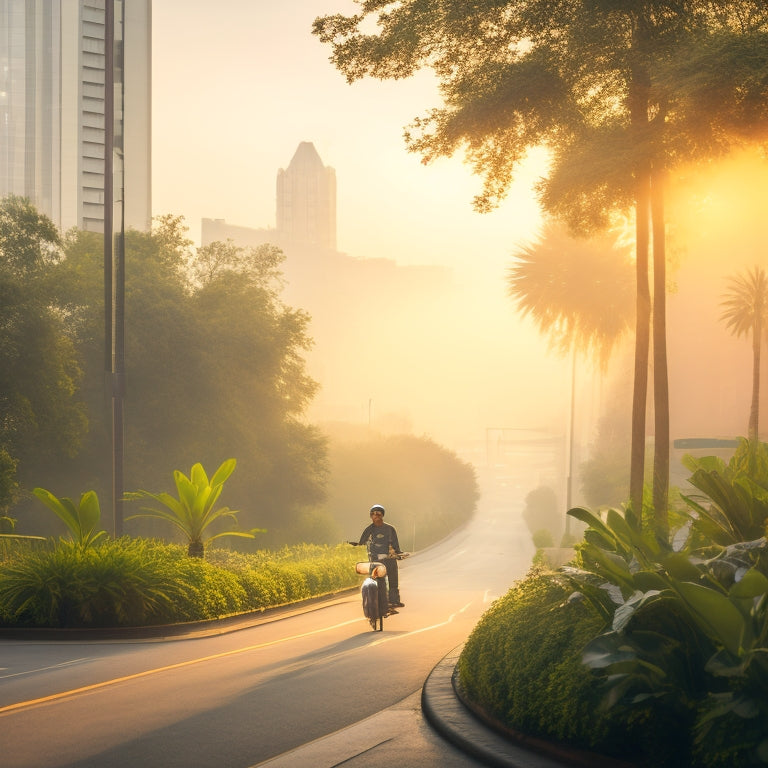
{"type": "Point", "coordinates": [642, 341]}
{"type": "Point", "coordinates": [754, 410]}
{"type": "Point", "coordinates": [660, 373]}
{"type": "Point", "coordinates": [639, 89]}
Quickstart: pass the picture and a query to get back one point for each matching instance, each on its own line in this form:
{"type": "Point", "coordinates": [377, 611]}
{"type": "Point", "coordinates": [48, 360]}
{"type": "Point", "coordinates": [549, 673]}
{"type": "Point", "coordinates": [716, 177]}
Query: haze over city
{"type": "Point", "coordinates": [225, 122]}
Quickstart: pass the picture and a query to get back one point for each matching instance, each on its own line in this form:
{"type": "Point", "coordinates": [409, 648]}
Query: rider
{"type": "Point", "coordinates": [383, 546]}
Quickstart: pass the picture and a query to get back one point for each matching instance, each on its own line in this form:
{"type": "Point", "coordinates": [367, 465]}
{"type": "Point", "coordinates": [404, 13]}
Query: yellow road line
{"type": "Point", "coordinates": [95, 686]}
{"type": "Point", "coordinates": [419, 631]}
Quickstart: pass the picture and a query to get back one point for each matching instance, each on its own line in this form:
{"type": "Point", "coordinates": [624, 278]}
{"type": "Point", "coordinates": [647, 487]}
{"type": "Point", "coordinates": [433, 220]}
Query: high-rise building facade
{"type": "Point", "coordinates": [52, 108]}
{"type": "Point", "coordinates": [306, 201]}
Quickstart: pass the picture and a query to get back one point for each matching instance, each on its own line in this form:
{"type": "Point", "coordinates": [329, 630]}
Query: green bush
{"type": "Point", "coordinates": [541, 512]}
{"type": "Point", "coordinates": [522, 661]}
{"type": "Point", "coordinates": [522, 665]}
{"type": "Point", "coordinates": [543, 538]}
{"type": "Point", "coordinates": [653, 651]}
{"type": "Point", "coordinates": [116, 583]}
{"type": "Point", "coordinates": [135, 582]}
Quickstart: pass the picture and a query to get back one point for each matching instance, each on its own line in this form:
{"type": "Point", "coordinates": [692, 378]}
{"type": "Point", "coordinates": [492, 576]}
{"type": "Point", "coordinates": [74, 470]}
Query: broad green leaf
{"type": "Point", "coordinates": [198, 477]}
{"type": "Point", "coordinates": [89, 512]}
{"type": "Point", "coordinates": [611, 566]}
{"type": "Point", "coordinates": [591, 519]}
{"type": "Point", "coordinates": [65, 512]}
{"type": "Point", "coordinates": [624, 613]}
{"type": "Point", "coordinates": [223, 472]}
{"type": "Point", "coordinates": [752, 584]}
{"type": "Point", "coordinates": [620, 529]}
{"type": "Point", "coordinates": [715, 614]}
{"type": "Point", "coordinates": [680, 567]}
{"type": "Point", "coordinates": [646, 581]}
{"type": "Point", "coordinates": [186, 489]}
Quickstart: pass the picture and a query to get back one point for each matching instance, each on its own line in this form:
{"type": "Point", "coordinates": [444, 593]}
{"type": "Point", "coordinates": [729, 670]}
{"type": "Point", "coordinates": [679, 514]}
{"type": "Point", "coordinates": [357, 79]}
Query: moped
{"type": "Point", "coordinates": [374, 589]}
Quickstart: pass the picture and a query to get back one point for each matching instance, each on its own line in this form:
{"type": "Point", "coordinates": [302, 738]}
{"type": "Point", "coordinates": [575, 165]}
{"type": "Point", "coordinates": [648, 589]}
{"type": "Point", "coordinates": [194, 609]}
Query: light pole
{"type": "Point", "coordinates": [114, 250]}
{"type": "Point", "coordinates": [569, 479]}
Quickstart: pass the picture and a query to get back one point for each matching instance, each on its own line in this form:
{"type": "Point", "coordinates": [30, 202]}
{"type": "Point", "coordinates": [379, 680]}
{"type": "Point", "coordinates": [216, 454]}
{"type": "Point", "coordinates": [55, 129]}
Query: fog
{"type": "Point", "coordinates": [441, 351]}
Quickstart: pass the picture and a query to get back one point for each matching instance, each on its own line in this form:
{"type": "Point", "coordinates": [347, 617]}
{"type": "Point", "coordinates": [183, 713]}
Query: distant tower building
{"type": "Point", "coordinates": [52, 125]}
{"type": "Point", "coordinates": [306, 201]}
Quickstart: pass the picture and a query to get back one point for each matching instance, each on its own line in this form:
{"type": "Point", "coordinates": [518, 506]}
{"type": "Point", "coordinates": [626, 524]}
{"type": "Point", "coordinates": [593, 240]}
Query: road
{"type": "Point", "coordinates": [244, 697]}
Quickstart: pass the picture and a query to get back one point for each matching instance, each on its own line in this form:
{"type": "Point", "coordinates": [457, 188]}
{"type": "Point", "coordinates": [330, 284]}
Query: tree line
{"type": "Point", "coordinates": [214, 368]}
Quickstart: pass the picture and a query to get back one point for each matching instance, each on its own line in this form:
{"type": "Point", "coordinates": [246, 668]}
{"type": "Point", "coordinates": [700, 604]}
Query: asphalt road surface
{"type": "Point", "coordinates": [241, 698]}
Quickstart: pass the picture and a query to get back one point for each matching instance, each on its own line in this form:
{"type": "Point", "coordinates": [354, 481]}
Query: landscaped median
{"type": "Point", "coordinates": [132, 582]}
{"type": "Point", "coordinates": [649, 649]}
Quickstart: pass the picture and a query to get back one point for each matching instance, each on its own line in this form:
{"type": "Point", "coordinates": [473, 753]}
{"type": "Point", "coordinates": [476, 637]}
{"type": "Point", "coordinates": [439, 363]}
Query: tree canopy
{"type": "Point", "coordinates": [214, 363]}
{"type": "Point", "coordinates": [607, 87]}
{"type": "Point", "coordinates": [41, 414]}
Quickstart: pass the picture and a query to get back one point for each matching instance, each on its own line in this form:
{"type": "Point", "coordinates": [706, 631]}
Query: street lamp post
{"type": "Point", "coordinates": [114, 253]}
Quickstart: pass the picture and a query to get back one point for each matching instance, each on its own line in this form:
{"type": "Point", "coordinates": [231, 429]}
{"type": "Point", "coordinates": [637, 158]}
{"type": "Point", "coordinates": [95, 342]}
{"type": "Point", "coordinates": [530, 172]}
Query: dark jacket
{"type": "Point", "coordinates": [380, 538]}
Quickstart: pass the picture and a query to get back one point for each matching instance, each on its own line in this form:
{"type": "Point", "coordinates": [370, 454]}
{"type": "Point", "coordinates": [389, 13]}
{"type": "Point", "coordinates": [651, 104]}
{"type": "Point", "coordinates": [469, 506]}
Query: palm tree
{"type": "Point", "coordinates": [579, 293]}
{"type": "Point", "coordinates": [194, 509]}
{"type": "Point", "coordinates": [745, 311]}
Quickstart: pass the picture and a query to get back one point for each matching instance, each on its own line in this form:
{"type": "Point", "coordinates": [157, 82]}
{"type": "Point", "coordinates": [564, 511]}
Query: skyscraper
{"type": "Point", "coordinates": [52, 116]}
{"type": "Point", "coordinates": [306, 201]}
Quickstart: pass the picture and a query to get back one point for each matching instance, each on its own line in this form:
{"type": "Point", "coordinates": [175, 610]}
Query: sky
{"type": "Point", "coordinates": [237, 85]}
{"type": "Point", "coordinates": [237, 88]}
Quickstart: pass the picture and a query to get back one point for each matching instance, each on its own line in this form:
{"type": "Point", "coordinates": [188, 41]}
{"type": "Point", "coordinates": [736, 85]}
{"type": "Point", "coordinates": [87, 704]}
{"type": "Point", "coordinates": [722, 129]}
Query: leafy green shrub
{"type": "Point", "coordinates": [541, 512]}
{"type": "Point", "coordinates": [522, 665]}
{"type": "Point", "coordinates": [135, 582]}
{"type": "Point", "coordinates": [687, 621]}
{"type": "Point", "coordinates": [290, 574]}
{"type": "Point", "coordinates": [115, 583]}
{"type": "Point", "coordinates": [12, 545]}
{"type": "Point", "coordinates": [208, 592]}
{"type": "Point", "coordinates": [522, 662]}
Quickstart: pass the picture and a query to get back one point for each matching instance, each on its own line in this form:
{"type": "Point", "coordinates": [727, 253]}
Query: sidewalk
{"type": "Point", "coordinates": [429, 729]}
{"type": "Point", "coordinates": [432, 729]}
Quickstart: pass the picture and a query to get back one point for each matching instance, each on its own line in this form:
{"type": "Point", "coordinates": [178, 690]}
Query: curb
{"type": "Point", "coordinates": [467, 727]}
{"type": "Point", "coordinates": [446, 713]}
{"type": "Point", "coordinates": [185, 630]}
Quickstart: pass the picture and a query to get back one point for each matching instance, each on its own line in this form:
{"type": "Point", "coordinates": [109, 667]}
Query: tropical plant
{"type": "Point", "coordinates": [577, 291]}
{"type": "Point", "coordinates": [733, 504]}
{"type": "Point", "coordinates": [745, 313]}
{"type": "Point", "coordinates": [686, 625]}
{"type": "Point", "coordinates": [82, 520]}
{"type": "Point", "coordinates": [116, 583]}
{"type": "Point", "coordinates": [194, 511]}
